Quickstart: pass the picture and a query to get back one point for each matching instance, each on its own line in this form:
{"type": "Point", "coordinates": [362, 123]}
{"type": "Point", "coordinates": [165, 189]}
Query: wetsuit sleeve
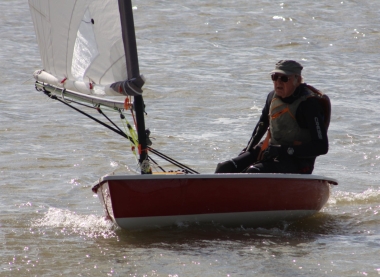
{"type": "Point", "coordinates": [263, 124]}
{"type": "Point", "coordinates": [310, 115]}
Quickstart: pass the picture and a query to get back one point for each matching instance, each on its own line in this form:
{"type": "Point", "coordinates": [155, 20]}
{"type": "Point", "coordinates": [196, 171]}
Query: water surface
{"type": "Point", "coordinates": [207, 65]}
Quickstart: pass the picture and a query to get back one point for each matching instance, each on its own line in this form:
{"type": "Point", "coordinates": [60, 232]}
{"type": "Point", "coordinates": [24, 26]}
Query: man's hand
{"type": "Point", "coordinates": [242, 151]}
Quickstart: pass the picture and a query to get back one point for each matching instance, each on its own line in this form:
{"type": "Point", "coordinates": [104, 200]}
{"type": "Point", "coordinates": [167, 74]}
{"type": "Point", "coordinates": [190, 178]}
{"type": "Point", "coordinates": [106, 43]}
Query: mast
{"type": "Point", "coordinates": [131, 57]}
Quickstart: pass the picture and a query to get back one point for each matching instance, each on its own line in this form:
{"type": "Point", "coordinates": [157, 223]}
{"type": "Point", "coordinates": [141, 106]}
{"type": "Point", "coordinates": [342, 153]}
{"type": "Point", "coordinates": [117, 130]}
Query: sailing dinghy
{"type": "Point", "coordinates": [88, 50]}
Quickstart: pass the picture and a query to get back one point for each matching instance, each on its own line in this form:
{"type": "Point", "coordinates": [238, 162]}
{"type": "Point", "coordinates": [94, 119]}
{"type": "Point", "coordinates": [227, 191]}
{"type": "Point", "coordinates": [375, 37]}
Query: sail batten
{"type": "Point", "coordinates": [85, 48]}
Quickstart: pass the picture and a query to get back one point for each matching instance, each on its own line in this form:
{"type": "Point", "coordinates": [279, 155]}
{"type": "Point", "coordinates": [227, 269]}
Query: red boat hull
{"type": "Point", "coordinates": [146, 201]}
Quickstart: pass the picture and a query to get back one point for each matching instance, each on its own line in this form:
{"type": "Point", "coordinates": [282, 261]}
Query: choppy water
{"type": "Point", "coordinates": [207, 65]}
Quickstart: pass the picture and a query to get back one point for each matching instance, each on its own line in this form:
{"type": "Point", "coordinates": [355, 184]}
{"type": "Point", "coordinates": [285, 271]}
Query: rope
{"type": "Point", "coordinates": [184, 167]}
{"type": "Point", "coordinates": [118, 131]}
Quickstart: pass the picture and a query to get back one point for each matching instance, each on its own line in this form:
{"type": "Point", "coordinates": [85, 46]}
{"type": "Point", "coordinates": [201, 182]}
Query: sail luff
{"type": "Point", "coordinates": [130, 49]}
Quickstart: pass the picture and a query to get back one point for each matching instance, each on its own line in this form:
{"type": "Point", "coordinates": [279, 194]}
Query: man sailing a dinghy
{"type": "Point", "coordinates": [295, 117]}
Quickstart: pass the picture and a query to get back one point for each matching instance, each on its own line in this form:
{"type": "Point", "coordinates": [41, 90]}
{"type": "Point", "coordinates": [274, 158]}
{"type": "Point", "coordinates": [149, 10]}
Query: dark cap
{"type": "Point", "coordinates": [288, 67]}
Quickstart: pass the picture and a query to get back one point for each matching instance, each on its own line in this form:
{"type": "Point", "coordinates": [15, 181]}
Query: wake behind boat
{"type": "Point", "coordinates": [88, 50]}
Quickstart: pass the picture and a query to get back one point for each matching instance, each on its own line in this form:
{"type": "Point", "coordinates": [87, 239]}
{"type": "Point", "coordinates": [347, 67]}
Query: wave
{"type": "Point", "coordinates": [69, 222]}
{"type": "Point", "coordinates": [369, 196]}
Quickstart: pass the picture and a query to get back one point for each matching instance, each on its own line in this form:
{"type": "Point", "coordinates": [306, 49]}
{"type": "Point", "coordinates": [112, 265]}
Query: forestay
{"type": "Point", "coordinates": [81, 46]}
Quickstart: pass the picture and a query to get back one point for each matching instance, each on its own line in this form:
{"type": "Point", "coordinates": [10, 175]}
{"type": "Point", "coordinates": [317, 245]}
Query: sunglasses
{"type": "Point", "coordinates": [283, 78]}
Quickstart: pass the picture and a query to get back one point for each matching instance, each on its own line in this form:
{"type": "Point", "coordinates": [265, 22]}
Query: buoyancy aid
{"type": "Point", "coordinates": [282, 114]}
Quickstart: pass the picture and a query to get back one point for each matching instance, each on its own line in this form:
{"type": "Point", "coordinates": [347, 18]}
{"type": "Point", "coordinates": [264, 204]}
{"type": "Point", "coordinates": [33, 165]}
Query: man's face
{"type": "Point", "coordinates": [284, 85]}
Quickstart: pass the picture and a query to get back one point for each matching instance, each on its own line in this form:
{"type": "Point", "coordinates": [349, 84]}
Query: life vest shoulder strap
{"type": "Point", "coordinates": [324, 101]}
{"type": "Point", "coordinates": [264, 145]}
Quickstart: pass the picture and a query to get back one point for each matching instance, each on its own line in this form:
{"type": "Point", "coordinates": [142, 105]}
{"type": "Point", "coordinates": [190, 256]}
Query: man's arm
{"type": "Point", "coordinates": [262, 125]}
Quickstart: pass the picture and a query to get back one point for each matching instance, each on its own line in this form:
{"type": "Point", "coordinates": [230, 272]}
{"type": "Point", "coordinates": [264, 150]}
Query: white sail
{"type": "Point", "coordinates": [81, 45]}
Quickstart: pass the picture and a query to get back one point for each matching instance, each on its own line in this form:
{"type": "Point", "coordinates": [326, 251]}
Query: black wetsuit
{"type": "Point", "coordinates": [302, 157]}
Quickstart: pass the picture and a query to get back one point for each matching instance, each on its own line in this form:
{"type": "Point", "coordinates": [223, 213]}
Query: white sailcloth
{"type": "Point", "coordinates": [80, 43]}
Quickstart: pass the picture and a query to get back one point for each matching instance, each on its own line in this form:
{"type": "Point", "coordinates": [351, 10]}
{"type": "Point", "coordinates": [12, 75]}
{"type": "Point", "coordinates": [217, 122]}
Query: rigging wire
{"type": "Point", "coordinates": [161, 155]}
{"type": "Point", "coordinates": [117, 130]}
